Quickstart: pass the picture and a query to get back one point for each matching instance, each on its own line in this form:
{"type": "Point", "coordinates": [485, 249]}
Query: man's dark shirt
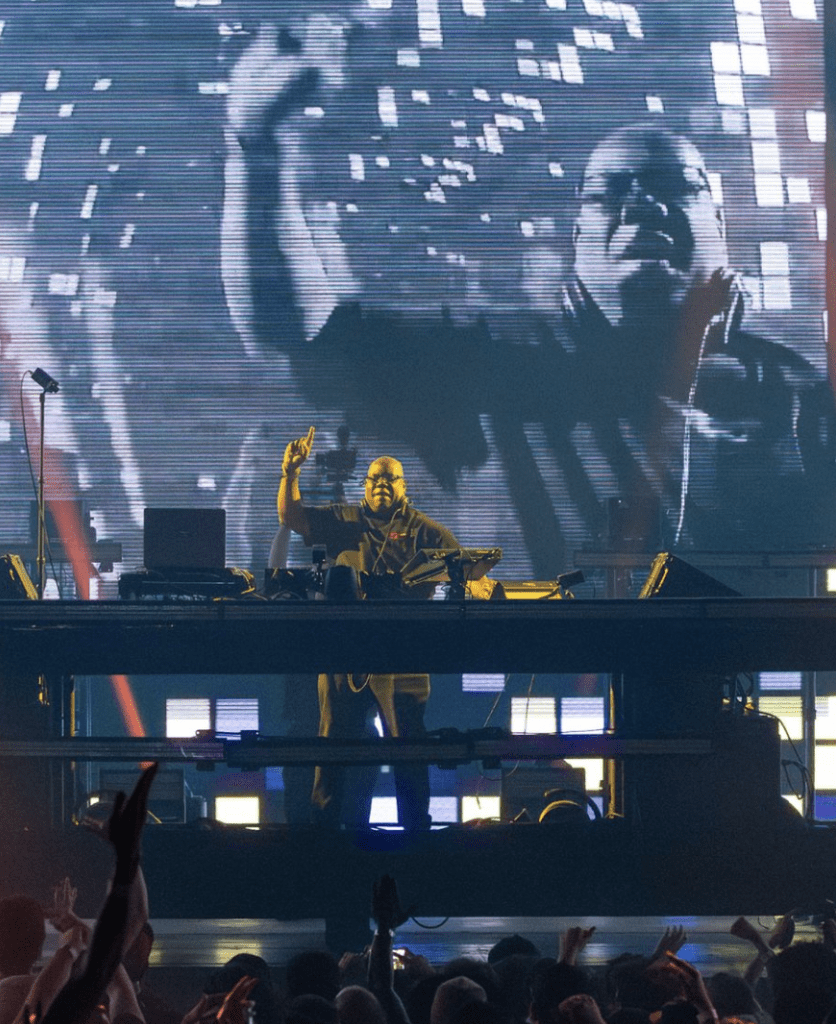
{"type": "Point", "coordinates": [376, 544]}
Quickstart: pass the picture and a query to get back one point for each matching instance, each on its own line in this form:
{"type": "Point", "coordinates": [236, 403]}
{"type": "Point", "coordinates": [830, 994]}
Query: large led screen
{"type": "Point", "coordinates": [562, 258]}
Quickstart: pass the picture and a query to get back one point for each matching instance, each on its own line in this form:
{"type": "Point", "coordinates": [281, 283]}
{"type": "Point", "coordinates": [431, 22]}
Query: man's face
{"type": "Point", "coordinates": [648, 230]}
{"type": "Point", "coordinates": [385, 485]}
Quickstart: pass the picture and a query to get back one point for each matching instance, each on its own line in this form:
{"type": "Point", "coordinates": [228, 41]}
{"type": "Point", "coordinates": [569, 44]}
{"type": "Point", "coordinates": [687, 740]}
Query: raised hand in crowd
{"type": "Point", "coordinates": [124, 829]}
{"type": "Point", "coordinates": [691, 983]}
{"type": "Point", "coordinates": [237, 1006]}
{"type": "Point", "coordinates": [80, 996]}
{"type": "Point", "coordinates": [783, 931]}
{"type": "Point", "coordinates": [671, 941]}
{"type": "Point", "coordinates": [387, 911]}
{"type": "Point", "coordinates": [387, 914]}
{"type": "Point", "coordinates": [413, 965]}
{"type": "Point", "coordinates": [354, 968]}
{"type": "Point", "coordinates": [61, 915]}
{"type": "Point", "coordinates": [744, 929]}
{"type": "Point", "coordinates": [205, 1009]}
{"type": "Point", "coordinates": [572, 943]}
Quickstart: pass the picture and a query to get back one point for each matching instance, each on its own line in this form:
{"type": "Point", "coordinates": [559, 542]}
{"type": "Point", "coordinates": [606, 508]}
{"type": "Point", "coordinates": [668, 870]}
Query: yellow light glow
{"type": "Point", "coordinates": [238, 810]}
{"type": "Point", "coordinates": [831, 580]}
{"type": "Point", "coordinates": [594, 769]}
{"type": "Point", "coordinates": [479, 807]}
{"type": "Point", "coordinates": [788, 709]}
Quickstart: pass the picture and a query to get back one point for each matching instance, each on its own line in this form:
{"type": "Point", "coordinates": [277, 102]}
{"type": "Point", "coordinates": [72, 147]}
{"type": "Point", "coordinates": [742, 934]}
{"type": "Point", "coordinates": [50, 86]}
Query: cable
{"type": "Point", "coordinates": [786, 765]}
{"type": "Point", "coordinates": [430, 927]}
{"type": "Point", "coordinates": [799, 763]}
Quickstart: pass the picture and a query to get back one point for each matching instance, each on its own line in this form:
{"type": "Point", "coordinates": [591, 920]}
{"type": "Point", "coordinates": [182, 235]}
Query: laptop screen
{"type": "Point", "coordinates": [184, 538]}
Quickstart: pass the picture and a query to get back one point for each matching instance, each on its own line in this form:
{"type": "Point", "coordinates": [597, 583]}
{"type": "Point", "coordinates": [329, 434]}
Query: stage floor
{"type": "Point", "coordinates": [203, 943]}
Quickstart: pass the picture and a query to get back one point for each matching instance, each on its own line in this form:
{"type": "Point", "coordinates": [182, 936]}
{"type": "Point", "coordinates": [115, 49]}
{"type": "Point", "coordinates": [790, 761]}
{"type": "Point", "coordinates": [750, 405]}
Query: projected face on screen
{"type": "Point", "coordinates": [648, 230]}
{"type": "Point", "coordinates": [240, 217]}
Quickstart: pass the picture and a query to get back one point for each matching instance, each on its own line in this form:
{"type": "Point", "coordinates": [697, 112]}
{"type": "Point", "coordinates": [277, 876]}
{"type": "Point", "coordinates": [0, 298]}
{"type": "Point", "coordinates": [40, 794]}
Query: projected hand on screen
{"type": "Point", "coordinates": [281, 71]}
{"type": "Point", "coordinates": [281, 74]}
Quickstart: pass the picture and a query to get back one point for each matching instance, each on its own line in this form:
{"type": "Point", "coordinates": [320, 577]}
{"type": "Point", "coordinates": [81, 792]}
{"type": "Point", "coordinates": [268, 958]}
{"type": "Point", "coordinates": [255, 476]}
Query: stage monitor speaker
{"type": "Point", "coordinates": [14, 579]}
{"type": "Point", "coordinates": [737, 784]}
{"type": "Point", "coordinates": [671, 577]}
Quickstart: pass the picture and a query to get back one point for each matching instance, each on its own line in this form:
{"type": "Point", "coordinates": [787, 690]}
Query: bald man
{"type": "Point", "coordinates": [377, 537]}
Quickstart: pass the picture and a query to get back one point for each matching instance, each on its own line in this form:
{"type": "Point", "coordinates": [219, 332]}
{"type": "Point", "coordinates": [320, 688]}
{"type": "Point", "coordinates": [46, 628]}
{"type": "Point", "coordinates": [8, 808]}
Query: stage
{"type": "Point", "coordinates": [705, 831]}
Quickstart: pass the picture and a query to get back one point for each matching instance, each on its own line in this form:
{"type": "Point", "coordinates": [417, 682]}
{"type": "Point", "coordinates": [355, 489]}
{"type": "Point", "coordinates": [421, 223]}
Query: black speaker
{"type": "Point", "coordinates": [671, 577]}
{"type": "Point", "coordinates": [738, 783]}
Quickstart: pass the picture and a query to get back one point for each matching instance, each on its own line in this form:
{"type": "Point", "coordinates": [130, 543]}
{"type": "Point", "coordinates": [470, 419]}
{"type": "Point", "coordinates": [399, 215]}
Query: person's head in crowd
{"type": "Point", "coordinates": [550, 983]}
{"type": "Point", "coordinates": [313, 972]}
{"type": "Point", "coordinates": [648, 230]}
{"type": "Point", "coordinates": [22, 934]}
{"type": "Point", "coordinates": [808, 964]}
{"type": "Point", "coordinates": [418, 1000]}
{"type": "Point", "coordinates": [451, 996]}
{"type": "Point", "coordinates": [356, 1005]}
{"type": "Point", "coordinates": [135, 960]}
{"type": "Point", "coordinates": [477, 970]}
{"type": "Point", "coordinates": [730, 994]}
{"type": "Point", "coordinates": [308, 1009]}
{"type": "Point", "coordinates": [514, 973]}
{"type": "Point", "coordinates": [263, 995]}
{"type": "Point", "coordinates": [512, 945]}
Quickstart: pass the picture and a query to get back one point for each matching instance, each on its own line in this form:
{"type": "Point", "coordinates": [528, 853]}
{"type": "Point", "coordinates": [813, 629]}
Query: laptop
{"type": "Point", "coordinates": [184, 538]}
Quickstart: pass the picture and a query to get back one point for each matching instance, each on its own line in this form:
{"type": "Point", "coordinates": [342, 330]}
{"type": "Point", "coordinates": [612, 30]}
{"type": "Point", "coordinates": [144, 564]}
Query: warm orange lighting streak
{"type": "Point", "coordinates": [127, 705]}
{"type": "Point", "coordinates": [72, 537]}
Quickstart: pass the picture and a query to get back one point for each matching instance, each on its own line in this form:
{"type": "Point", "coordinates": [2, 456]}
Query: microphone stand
{"type": "Point", "coordinates": [46, 383]}
{"type": "Point", "coordinates": [40, 559]}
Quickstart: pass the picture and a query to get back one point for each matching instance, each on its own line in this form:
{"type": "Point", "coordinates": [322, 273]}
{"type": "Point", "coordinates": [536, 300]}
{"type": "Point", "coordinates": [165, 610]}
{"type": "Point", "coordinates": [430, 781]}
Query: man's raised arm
{"type": "Point", "coordinates": [289, 502]}
{"type": "Point", "coordinates": [276, 279]}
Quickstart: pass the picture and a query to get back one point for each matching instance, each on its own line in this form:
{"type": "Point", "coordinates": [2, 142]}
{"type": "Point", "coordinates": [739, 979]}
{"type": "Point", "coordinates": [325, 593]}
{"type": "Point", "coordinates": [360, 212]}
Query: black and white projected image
{"type": "Point", "coordinates": [548, 254]}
